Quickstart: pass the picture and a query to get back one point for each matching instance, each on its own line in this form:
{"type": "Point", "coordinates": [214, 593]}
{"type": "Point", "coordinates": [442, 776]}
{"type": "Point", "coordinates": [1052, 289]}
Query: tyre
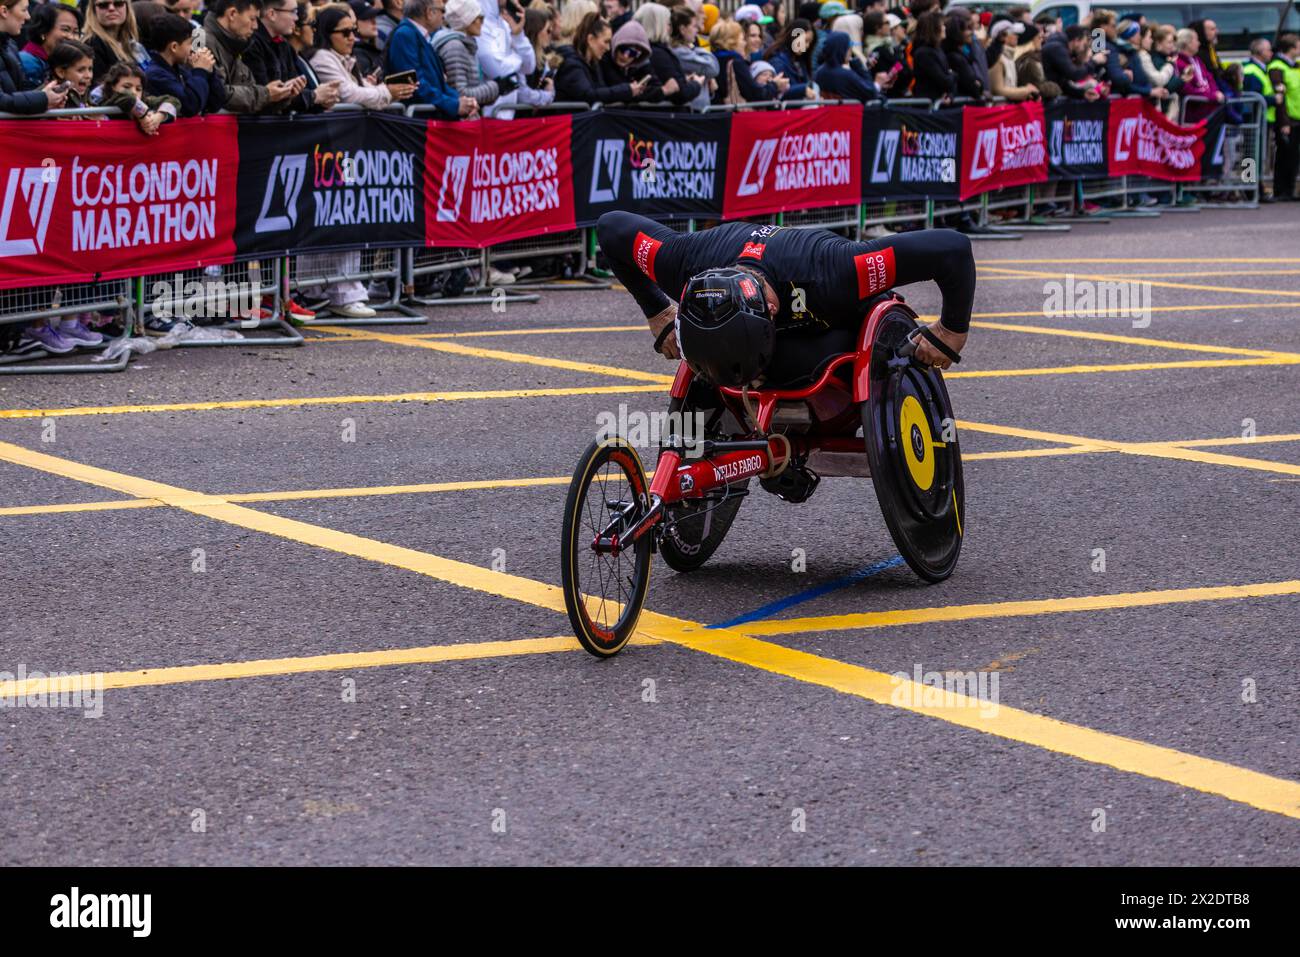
{"type": "Point", "coordinates": [604, 592]}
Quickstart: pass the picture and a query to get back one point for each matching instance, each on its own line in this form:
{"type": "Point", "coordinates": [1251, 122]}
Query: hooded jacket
{"type": "Point", "coordinates": [834, 77]}
{"type": "Point", "coordinates": [631, 34]}
{"type": "Point", "coordinates": [243, 93]}
{"type": "Point", "coordinates": [580, 81]}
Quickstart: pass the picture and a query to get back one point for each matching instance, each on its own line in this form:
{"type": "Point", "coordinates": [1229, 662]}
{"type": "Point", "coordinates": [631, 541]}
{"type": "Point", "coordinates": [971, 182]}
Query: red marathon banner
{"type": "Point", "coordinates": [793, 159]}
{"type": "Point", "coordinates": [95, 198]}
{"type": "Point", "coordinates": [1142, 142]}
{"type": "Point", "coordinates": [1002, 146]}
{"type": "Point", "coordinates": [492, 181]}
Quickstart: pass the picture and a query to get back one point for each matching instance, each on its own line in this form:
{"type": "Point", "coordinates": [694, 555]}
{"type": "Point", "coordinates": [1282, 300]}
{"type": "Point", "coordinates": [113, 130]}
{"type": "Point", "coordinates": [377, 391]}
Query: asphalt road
{"type": "Point", "coordinates": [470, 728]}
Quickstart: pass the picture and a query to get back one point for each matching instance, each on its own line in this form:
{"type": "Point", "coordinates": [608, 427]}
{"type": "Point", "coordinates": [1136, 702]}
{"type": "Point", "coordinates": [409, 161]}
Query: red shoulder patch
{"type": "Point", "coordinates": [875, 272]}
{"type": "Point", "coordinates": [753, 251]}
{"type": "Point", "coordinates": [644, 251]}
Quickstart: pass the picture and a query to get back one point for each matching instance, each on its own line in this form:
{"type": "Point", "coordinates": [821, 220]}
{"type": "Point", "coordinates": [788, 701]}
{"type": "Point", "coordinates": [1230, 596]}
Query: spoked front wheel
{"type": "Point", "coordinates": [605, 584]}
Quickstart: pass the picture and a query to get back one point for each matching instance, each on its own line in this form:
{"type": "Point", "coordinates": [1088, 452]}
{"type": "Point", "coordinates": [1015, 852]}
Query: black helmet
{"type": "Point", "coordinates": [723, 326]}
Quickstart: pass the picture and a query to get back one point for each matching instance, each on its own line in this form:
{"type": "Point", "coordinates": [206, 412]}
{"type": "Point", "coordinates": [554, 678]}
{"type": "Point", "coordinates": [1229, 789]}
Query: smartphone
{"type": "Point", "coordinates": [514, 10]}
{"type": "Point", "coordinates": [406, 76]}
{"type": "Point", "coordinates": [62, 87]}
{"type": "Point", "coordinates": [896, 68]}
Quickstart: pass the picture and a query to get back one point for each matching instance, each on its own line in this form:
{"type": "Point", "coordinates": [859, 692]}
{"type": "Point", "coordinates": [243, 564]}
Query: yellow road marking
{"type": "Point", "coordinates": [328, 400]}
{"type": "Point", "coordinates": [1165, 275]}
{"type": "Point", "coordinates": [1279, 360]}
{"type": "Point", "coordinates": [475, 352]}
{"type": "Point", "coordinates": [1216, 259]}
{"type": "Point", "coordinates": [1018, 609]}
{"type": "Point", "coordinates": [80, 507]}
{"type": "Point", "coordinates": [1101, 277]}
{"type": "Point", "coordinates": [1237, 440]}
{"type": "Point", "coordinates": [1131, 340]}
{"type": "Point", "coordinates": [539, 331]}
{"type": "Point", "coordinates": [1258, 790]}
{"type": "Point", "coordinates": [1159, 450]}
{"type": "Point", "coordinates": [347, 661]}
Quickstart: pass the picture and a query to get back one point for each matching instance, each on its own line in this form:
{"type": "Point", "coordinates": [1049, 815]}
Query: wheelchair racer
{"type": "Point", "coordinates": [737, 285]}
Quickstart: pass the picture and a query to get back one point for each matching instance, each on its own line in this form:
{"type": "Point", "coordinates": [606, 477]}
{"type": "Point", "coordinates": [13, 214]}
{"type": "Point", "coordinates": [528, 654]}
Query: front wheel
{"type": "Point", "coordinates": [604, 592]}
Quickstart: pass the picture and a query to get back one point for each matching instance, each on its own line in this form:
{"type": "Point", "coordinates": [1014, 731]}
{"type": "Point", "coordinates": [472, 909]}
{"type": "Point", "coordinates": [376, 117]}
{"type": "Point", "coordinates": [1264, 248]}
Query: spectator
{"type": "Point", "coordinates": [835, 77]}
{"type": "Point", "coordinates": [457, 44]}
{"type": "Point", "coordinates": [1156, 51]}
{"type": "Point", "coordinates": [303, 40]}
{"type": "Point", "coordinates": [228, 31]}
{"type": "Point", "coordinates": [409, 48]}
{"type": "Point", "coordinates": [178, 70]}
{"type": "Point", "coordinates": [336, 67]}
{"type": "Point", "coordinates": [1048, 23]}
{"type": "Point", "coordinates": [958, 44]}
{"type": "Point", "coordinates": [504, 51]}
{"type": "Point", "coordinates": [975, 47]}
{"type": "Point", "coordinates": [709, 16]}
{"type": "Point", "coordinates": [182, 8]}
{"type": "Point", "coordinates": [1284, 74]}
{"type": "Point", "coordinates": [50, 23]}
{"type": "Point", "coordinates": [387, 22]}
{"type": "Point", "coordinates": [676, 85]}
{"type": "Point", "coordinates": [755, 39]}
{"type": "Point", "coordinates": [112, 33]}
{"type": "Point", "coordinates": [790, 54]}
{"type": "Point", "coordinates": [1198, 82]}
{"type": "Point", "coordinates": [333, 62]}
{"type": "Point", "coordinates": [571, 14]}
{"type": "Point", "coordinates": [1004, 74]}
{"type": "Point", "coordinates": [879, 80]}
{"type": "Point", "coordinates": [73, 63]}
{"type": "Point", "coordinates": [1120, 79]}
{"type": "Point", "coordinates": [934, 79]}
{"type": "Point", "coordinates": [617, 12]}
{"type": "Point", "coordinates": [123, 87]}
{"type": "Point", "coordinates": [540, 25]}
{"type": "Point", "coordinates": [628, 59]}
{"type": "Point", "coordinates": [369, 54]}
{"type": "Point", "coordinates": [579, 77]}
{"type": "Point", "coordinates": [17, 94]}
{"type": "Point", "coordinates": [270, 56]}
{"type": "Point", "coordinates": [1255, 79]}
{"type": "Point", "coordinates": [1067, 63]}
{"type": "Point", "coordinates": [684, 25]}
{"type": "Point", "coordinates": [1029, 63]}
{"type": "Point", "coordinates": [736, 83]}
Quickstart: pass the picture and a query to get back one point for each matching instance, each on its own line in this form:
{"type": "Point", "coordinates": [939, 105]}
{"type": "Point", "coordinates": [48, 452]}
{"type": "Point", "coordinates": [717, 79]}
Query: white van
{"type": "Point", "coordinates": [1239, 21]}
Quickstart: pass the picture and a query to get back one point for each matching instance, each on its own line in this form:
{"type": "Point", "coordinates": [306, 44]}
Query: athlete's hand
{"type": "Point", "coordinates": [657, 324]}
{"type": "Point", "coordinates": [927, 354]}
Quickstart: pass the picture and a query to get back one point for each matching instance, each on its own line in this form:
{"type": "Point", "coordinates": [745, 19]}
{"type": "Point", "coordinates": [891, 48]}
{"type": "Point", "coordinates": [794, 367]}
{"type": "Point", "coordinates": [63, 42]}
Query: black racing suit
{"type": "Point", "coordinates": [823, 280]}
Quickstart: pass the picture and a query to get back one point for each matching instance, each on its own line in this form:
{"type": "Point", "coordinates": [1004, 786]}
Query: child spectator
{"type": "Point", "coordinates": [50, 24]}
{"type": "Point", "coordinates": [123, 87]}
{"type": "Point", "coordinates": [73, 63]}
{"type": "Point", "coordinates": [178, 71]}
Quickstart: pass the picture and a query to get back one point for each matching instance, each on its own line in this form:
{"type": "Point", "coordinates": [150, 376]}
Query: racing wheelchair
{"type": "Point", "coordinates": [835, 403]}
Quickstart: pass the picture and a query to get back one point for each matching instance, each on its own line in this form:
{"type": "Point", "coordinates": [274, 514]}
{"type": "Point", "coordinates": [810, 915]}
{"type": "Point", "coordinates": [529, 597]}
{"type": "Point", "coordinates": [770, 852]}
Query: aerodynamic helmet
{"type": "Point", "coordinates": [724, 328]}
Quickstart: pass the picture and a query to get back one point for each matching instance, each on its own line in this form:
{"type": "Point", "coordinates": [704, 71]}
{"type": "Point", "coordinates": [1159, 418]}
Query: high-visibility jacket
{"type": "Point", "coordinates": [1291, 85]}
{"type": "Point", "coordinates": [1252, 68]}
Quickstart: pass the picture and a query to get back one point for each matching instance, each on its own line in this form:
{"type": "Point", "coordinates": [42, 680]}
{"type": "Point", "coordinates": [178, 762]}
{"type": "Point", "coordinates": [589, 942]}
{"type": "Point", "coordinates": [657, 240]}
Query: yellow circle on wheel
{"type": "Point", "coordinates": [917, 442]}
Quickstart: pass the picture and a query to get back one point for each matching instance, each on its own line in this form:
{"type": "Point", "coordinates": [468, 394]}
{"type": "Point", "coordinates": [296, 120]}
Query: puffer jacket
{"type": "Point", "coordinates": [14, 95]}
{"type": "Point", "coordinates": [579, 81]}
{"type": "Point", "coordinates": [244, 93]}
{"type": "Point", "coordinates": [698, 60]}
{"type": "Point", "coordinates": [459, 53]}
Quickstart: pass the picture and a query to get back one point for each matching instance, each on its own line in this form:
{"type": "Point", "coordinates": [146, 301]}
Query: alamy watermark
{"type": "Point", "coordinates": [1096, 299]}
{"type": "Point", "coordinates": [35, 689]}
{"type": "Point", "coordinates": [652, 429]}
{"type": "Point", "coordinates": [946, 689]}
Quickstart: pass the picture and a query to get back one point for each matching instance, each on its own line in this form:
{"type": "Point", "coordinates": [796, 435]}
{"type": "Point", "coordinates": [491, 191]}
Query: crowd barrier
{"type": "Point", "coordinates": [284, 173]}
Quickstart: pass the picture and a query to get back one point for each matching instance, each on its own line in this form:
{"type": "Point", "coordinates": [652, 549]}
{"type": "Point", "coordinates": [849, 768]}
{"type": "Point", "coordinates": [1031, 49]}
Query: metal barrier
{"type": "Point", "coordinates": [161, 294]}
{"type": "Point", "coordinates": [1244, 152]}
{"type": "Point", "coordinates": [45, 303]}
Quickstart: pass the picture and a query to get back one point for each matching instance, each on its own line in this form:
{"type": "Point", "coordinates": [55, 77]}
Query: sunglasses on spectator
{"type": "Point", "coordinates": [110, 4]}
{"type": "Point", "coordinates": [348, 31]}
{"type": "Point", "coordinates": [630, 52]}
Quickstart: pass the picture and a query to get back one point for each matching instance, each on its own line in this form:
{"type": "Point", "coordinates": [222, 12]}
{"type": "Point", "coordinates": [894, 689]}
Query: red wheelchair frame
{"type": "Point", "coordinates": [835, 401]}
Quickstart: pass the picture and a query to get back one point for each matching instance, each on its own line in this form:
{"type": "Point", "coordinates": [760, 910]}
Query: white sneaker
{"type": "Point", "coordinates": [353, 310]}
{"type": "Point", "coordinates": [498, 278]}
{"type": "Point", "coordinates": [877, 232]}
{"type": "Point", "coordinates": [522, 271]}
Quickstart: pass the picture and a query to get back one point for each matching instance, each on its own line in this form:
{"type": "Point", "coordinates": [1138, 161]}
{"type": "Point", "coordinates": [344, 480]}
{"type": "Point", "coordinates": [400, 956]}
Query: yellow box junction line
{"type": "Point", "coordinates": [1262, 791]}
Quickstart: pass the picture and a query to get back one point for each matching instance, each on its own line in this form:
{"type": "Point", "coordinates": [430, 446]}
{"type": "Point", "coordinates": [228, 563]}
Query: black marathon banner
{"type": "Point", "coordinates": [910, 153]}
{"type": "Point", "coordinates": [1076, 139]}
{"type": "Point", "coordinates": [1218, 149]}
{"type": "Point", "coordinates": [658, 165]}
{"type": "Point", "coordinates": [330, 182]}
